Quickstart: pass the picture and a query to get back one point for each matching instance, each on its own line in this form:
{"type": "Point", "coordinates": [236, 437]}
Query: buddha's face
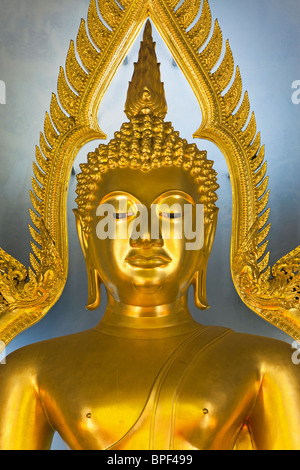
{"type": "Point", "coordinates": [138, 243]}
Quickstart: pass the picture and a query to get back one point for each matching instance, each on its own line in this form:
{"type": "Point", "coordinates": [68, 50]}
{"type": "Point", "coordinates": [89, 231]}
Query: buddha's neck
{"type": "Point", "coordinates": [162, 320]}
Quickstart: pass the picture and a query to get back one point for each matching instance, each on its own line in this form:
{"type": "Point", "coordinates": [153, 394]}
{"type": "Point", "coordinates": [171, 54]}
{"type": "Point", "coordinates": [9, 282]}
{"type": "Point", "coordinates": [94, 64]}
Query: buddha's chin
{"type": "Point", "coordinates": [146, 288]}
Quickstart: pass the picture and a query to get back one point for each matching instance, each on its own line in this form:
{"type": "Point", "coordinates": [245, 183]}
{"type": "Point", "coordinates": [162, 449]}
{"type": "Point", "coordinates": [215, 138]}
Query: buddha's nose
{"type": "Point", "coordinates": [145, 241]}
{"type": "Point", "coordinates": [149, 234]}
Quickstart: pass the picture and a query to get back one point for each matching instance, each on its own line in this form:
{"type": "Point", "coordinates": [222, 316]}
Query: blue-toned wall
{"type": "Point", "coordinates": [265, 39]}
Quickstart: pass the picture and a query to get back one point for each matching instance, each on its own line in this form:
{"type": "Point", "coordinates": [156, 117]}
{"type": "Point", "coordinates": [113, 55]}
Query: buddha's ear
{"type": "Point", "coordinates": [94, 281]}
{"type": "Point", "coordinates": [94, 289]}
{"type": "Point", "coordinates": [199, 280]}
{"type": "Point", "coordinates": [80, 232]}
{"type": "Point", "coordinates": [210, 237]}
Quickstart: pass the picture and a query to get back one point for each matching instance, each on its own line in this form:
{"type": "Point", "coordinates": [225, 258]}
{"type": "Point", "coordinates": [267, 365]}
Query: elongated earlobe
{"type": "Point", "coordinates": [94, 289]}
{"type": "Point", "coordinates": [199, 280]}
{"type": "Point", "coordinates": [199, 283]}
{"type": "Point", "coordinates": [94, 281]}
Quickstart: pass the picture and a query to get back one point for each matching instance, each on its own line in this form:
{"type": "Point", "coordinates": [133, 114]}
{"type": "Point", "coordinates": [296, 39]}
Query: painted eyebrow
{"type": "Point", "coordinates": [174, 192]}
{"type": "Point", "coordinates": [114, 194]}
{"type": "Point", "coordinates": [158, 199]}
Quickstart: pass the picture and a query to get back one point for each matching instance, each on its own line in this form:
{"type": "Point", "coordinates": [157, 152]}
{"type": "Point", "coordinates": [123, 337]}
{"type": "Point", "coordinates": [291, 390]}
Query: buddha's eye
{"type": "Point", "coordinates": [171, 215]}
{"type": "Point", "coordinates": [123, 215]}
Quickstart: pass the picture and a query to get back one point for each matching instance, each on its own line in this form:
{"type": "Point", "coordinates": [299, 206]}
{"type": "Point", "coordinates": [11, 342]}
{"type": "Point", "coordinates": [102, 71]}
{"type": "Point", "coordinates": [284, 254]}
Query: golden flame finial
{"type": "Point", "coordinates": [146, 93]}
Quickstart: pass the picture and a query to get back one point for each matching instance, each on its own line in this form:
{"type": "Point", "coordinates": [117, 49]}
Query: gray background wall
{"type": "Point", "coordinates": [34, 39]}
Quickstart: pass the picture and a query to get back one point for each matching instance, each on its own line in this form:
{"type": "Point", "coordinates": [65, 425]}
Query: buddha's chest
{"type": "Point", "coordinates": [136, 404]}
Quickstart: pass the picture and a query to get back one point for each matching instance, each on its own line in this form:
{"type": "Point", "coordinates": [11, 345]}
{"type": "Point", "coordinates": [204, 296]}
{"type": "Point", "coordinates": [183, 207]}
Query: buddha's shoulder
{"type": "Point", "coordinates": [221, 343]}
{"type": "Point", "coordinates": [33, 356]}
{"type": "Point", "coordinates": [256, 348]}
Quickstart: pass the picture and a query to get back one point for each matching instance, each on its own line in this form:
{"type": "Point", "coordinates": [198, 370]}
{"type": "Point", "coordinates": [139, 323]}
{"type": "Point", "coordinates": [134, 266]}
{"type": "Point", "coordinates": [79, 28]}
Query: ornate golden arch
{"type": "Point", "coordinates": [197, 46]}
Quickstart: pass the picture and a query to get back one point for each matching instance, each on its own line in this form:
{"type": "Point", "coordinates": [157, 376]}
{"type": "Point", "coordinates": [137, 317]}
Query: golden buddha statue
{"type": "Point", "coordinates": [149, 376]}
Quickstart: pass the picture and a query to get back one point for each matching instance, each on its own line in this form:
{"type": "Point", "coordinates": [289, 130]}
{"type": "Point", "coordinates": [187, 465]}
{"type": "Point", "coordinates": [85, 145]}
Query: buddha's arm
{"type": "Point", "coordinates": [275, 419]}
{"type": "Point", "coordinates": [23, 424]}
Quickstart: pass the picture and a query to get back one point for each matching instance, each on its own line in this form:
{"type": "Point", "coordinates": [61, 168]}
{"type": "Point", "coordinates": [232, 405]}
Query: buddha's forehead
{"type": "Point", "coordinates": [147, 186]}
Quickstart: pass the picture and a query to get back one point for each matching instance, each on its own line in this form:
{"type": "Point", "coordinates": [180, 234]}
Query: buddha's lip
{"type": "Point", "coordinates": [149, 262]}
